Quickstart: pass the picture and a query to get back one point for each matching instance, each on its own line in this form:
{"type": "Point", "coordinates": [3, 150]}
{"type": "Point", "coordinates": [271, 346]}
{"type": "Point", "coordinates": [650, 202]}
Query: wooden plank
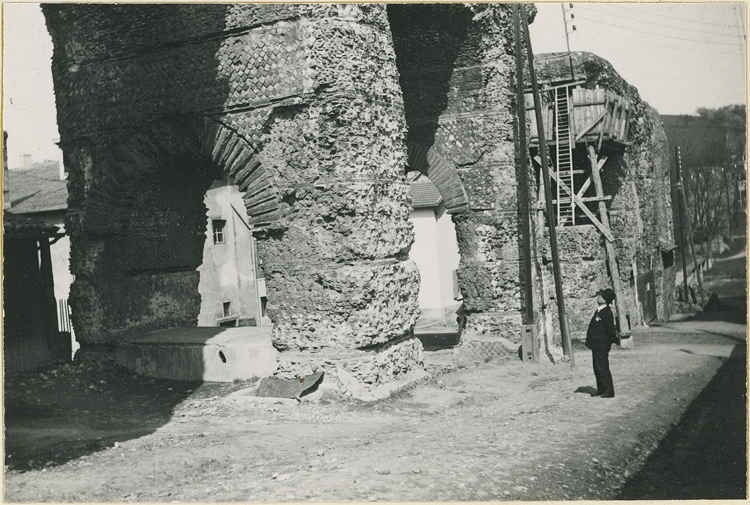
{"type": "Point", "coordinates": [627, 128]}
{"type": "Point", "coordinates": [586, 184]}
{"type": "Point", "coordinates": [549, 132]}
{"type": "Point", "coordinates": [604, 125]}
{"type": "Point", "coordinates": [608, 246]}
{"type": "Point", "coordinates": [615, 130]}
{"type": "Point", "coordinates": [604, 230]}
{"type": "Point", "coordinates": [591, 125]}
{"type": "Point", "coordinates": [566, 85]}
{"type": "Point", "coordinates": [572, 125]}
{"type": "Point", "coordinates": [624, 123]}
{"type": "Point", "coordinates": [588, 199]}
{"type": "Point", "coordinates": [589, 102]}
{"type": "Point", "coordinates": [581, 113]}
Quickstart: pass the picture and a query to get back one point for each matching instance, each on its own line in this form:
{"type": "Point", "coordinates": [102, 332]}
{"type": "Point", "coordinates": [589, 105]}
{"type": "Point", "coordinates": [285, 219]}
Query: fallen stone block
{"type": "Point", "coordinates": [274, 387]}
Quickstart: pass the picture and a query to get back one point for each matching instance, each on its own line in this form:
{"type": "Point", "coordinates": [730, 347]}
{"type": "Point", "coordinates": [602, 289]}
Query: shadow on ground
{"type": "Point", "coordinates": [589, 390]}
{"type": "Point", "coordinates": [60, 413]}
{"type": "Point", "coordinates": [704, 455]}
{"type": "Point", "coordinates": [734, 315]}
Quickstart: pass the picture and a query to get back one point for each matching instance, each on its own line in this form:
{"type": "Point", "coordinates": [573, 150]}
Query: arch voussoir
{"type": "Point", "coordinates": [240, 161]}
{"type": "Point", "coordinates": [443, 175]}
{"type": "Point", "coordinates": [158, 143]}
{"type": "Point", "coordinates": [229, 151]}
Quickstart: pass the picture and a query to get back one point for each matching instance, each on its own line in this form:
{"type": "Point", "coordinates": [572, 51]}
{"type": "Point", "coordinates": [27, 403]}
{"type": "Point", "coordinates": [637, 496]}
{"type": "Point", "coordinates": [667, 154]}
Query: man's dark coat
{"type": "Point", "coordinates": [601, 333]}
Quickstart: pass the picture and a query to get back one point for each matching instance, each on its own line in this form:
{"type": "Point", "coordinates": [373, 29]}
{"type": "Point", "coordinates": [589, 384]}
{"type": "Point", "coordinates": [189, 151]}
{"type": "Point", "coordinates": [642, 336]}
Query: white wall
{"type": "Point", "coordinates": [60, 252]}
{"type": "Point", "coordinates": [60, 255]}
{"type": "Point", "coordinates": [448, 255]}
{"type": "Point", "coordinates": [424, 253]}
{"type": "Point", "coordinates": [227, 273]}
{"type": "Point", "coordinates": [435, 251]}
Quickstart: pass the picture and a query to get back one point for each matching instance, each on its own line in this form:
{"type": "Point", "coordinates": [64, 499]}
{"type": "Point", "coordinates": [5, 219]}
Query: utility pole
{"type": "Point", "coordinates": [567, 38]}
{"type": "Point", "coordinates": [523, 180]}
{"type": "Point", "coordinates": [681, 189]}
{"type": "Point", "coordinates": [681, 218]}
{"type": "Point", "coordinates": [567, 347]}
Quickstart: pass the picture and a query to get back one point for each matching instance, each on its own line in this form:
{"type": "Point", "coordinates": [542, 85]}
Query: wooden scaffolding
{"type": "Point", "coordinates": [580, 125]}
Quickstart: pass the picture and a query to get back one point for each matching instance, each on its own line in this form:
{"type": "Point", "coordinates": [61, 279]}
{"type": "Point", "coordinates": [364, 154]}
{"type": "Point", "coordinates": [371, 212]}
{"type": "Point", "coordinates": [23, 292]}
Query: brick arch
{"type": "Point", "coordinates": [158, 143]}
{"type": "Point", "coordinates": [443, 175]}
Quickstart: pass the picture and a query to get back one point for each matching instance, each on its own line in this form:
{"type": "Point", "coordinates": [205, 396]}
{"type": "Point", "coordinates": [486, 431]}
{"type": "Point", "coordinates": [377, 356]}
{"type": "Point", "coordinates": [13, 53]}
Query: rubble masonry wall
{"type": "Point", "coordinates": [457, 72]}
{"type": "Point", "coordinates": [310, 94]}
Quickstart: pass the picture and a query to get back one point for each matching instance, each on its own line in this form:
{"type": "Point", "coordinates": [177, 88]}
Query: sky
{"type": "Point", "coordinates": [680, 56]}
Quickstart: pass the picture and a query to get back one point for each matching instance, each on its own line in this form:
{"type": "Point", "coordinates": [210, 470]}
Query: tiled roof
{"type": "Point", "coordinates": [424, 194]}
{"type": "Point", "coordinates": [15, 225]}
{"type": "Point", "coordinates": [37, 189]}
{"type": "Point", "coordinates": [49, 170]}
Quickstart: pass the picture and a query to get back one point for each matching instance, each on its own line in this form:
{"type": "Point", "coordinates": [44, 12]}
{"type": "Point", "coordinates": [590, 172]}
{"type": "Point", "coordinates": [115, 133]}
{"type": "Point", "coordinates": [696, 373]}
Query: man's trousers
{"type": "Point", "coordinates": [603, 376]}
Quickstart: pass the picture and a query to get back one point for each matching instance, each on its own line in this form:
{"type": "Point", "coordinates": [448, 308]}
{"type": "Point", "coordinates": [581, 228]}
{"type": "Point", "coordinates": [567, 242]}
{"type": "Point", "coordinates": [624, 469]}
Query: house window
{"type": "Point", "coordinates": [218, 227]}
{"type": "Point", "coordinates": [667, 258]}
{"type": "Point", "coordinates": [227, 319]}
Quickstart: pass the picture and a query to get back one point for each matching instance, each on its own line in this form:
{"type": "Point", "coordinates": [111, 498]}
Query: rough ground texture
{"type": "Point", "coordinates": [500, 430]}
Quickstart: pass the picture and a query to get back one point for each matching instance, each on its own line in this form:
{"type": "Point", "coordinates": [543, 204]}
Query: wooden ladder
{"type": "Point", "coordinates": [564, 151]}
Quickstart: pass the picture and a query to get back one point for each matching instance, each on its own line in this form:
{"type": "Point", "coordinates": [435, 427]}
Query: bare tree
{"type": "Point", "coordinates": [714, 174]}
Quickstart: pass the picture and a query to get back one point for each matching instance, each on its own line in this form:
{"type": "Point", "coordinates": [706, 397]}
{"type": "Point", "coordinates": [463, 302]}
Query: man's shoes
{"type": "Point", "coordinates": [607, 395]}
{"type": "Point", "coordinates": [596, 394]}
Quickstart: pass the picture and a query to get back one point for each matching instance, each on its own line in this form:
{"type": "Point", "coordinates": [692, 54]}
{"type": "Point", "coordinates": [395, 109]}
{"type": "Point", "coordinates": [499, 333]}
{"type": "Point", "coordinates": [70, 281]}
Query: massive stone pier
{"type": "Point", "coordinates": [316, 113]}
{"type": "Point", "coordinates": [304, 108]}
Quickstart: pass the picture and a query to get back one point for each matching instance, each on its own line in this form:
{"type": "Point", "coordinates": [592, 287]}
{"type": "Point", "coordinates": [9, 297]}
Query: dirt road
{"type": "Point", "coordinates": [501, 430]}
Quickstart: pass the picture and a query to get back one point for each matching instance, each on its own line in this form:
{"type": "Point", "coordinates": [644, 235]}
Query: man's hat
{"type": "Point", "coordinates": [607, 294]}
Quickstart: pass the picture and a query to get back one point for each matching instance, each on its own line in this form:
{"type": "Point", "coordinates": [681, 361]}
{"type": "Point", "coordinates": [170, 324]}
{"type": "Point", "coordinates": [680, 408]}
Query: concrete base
{"type": "Point", "coordinates": [202, 354]}
{"type": "Point", "coordinates": [627, 343]}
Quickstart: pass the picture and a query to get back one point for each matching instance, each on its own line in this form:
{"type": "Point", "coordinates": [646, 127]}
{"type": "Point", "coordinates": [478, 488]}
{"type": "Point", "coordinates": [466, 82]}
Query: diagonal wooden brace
{"type": "Point", "coordinates": [586, 184]}
{"type": "Point", "coordinates": [577, 200]}
{"type": "Point", "coordinates": [591, 125]}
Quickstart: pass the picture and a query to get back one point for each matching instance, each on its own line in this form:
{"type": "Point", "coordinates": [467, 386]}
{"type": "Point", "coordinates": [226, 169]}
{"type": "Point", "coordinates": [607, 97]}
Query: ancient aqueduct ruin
{"type": "Point", "coordinates": [316, 112]}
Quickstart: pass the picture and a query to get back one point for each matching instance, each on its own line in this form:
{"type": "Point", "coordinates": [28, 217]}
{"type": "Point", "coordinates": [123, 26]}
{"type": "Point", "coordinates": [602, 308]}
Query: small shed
{"type": "Point", "coordinates": [30, 327]}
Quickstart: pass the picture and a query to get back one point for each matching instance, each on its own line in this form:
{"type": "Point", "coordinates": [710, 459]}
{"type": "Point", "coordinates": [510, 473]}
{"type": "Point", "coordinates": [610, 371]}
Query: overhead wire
{"type": "Point", "coordinates": [725, 83]}
{"type": "Point", "coordinates": [661, 24]}
{"type": "Point", "coordinates": [692, 82]}
{"type": "Point", "coordinates": [741, 35]}
{"type": "Point", "coordinates": [681, 48]}
{"type": "Point", "coordinates": [658, 34]}
{"type": "Point", "coordinates": [703, 45]}
{"type": "Point", "coordinates": [641, 12]}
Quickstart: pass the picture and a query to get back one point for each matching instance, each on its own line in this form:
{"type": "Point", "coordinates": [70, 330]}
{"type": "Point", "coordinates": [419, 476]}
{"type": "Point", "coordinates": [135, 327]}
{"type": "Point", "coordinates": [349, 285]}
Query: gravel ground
{"type": "Point", "coordinates": [501, 430]}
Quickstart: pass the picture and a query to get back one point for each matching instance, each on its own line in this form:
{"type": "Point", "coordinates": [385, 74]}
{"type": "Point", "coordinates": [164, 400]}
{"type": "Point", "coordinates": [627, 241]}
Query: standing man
{"type": "Point", "coordinates": [599, 338]}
